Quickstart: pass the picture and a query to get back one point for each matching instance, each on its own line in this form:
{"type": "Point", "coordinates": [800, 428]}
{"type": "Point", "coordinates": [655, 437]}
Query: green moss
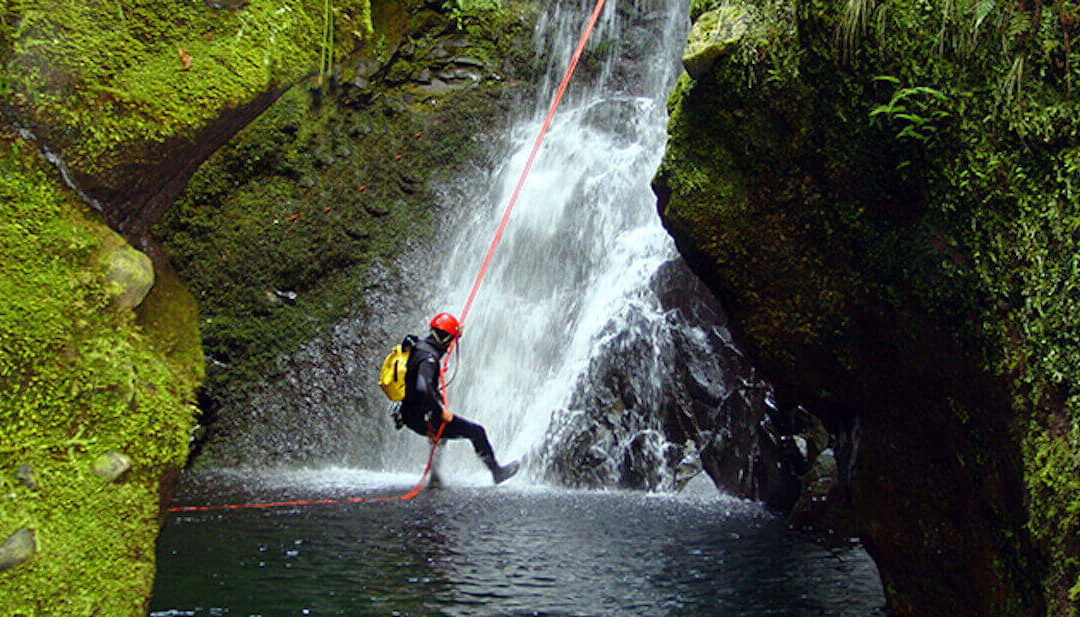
{"type": "Point", "coordinates": [77, 380]}
{"type": "Point", "coordinates": [137, 72]}
{"type": "Point", "coordinates": [941, 196]}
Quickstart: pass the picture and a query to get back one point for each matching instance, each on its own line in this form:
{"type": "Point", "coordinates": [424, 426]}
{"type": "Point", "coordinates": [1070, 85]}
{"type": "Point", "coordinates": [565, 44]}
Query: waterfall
{"type": "Point", "coordinates": [574, 277]}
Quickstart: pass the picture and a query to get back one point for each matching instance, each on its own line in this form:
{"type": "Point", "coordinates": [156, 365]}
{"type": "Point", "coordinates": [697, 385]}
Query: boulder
{"type": "Point", "coordinates": [112, 465]}
{"type": "Point", "coordinates": [26, 476]}
{"type": "Point", "coordinates": [18, 548]}
{"type": "Point", "coordinates": [129, 273]}
{"type": "Point", "coordinates": [821, 478]}
{"type": "Point", "coordinates": [714, 34]}
{"type": "Point", "coordinates": [816, 507]}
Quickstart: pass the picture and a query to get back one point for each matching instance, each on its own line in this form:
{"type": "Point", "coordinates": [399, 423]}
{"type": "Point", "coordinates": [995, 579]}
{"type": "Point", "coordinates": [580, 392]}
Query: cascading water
{"type": "Point", "coordinates": [575, 277]}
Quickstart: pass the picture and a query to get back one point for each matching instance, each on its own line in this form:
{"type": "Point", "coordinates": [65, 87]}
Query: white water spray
{"type": "Point", "coordinates": [584, 240]}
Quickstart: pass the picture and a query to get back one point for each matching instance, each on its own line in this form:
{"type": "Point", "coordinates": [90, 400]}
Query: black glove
{"type": "Point", "coordinates": [398, 420]}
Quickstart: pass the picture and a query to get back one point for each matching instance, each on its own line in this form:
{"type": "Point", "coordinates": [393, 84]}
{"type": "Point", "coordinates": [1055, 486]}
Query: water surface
{"type": "Point", "coordinates": [494, 551]}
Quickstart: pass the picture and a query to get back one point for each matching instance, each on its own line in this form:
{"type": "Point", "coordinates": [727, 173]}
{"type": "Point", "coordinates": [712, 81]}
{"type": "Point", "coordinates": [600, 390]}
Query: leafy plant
{"type": "Point", "coordinates": [461, 10]}
{"type": "Point", "coordinates": [917, 110]}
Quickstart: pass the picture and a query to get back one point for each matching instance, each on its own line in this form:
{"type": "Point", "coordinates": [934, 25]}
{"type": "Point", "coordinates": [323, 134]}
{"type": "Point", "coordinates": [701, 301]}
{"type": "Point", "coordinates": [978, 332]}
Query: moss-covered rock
{"type": "Point", "coordinates": [140, 93]}
{"type": "Point", "coordinates": [78, 380]}
{"type": "Point", "coordinates": [714, 34]}
{"type": "Point", "coordinates": [128, 272]}
{"type": "Point", "coordinates": [884, 205]}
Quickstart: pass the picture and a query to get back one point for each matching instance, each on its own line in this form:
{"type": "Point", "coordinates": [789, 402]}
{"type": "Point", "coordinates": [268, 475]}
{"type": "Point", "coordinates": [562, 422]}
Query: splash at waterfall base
{"type": "Point", "coordinates": [424, 408]}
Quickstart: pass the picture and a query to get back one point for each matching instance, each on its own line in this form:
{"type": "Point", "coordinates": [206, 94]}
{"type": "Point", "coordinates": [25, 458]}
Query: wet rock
{"type": "Point", "coordinates": [129, 273]}
{"type": "Point", "coordinates": [377, 208]}
{"type": "Point", "coordinates": [112, 466]}
{"type": "Point", "coordinates": [356, 233]}
{"type": "Point", "coordinates": [689, 467]}
{"type": "Point", "coordinates": [226, 5]}
{"type": "Point", "coordinates": [668, 398]}
{"type": "Point", "coordinates": [637, 43]}
{"type": "Point", "coordinates": [448, 47]}
{"type": "Point", "coordinates": [437, 86]}
{"type": "Point", "coordinates": [439, 52]}
{"type": "Point", "coordinates": [365, 70]}
{"type": "Point", "coordinates": [643, 462]}
{"type": "Point", "coordinates": [424, 77]}
{"type": "Point", "coordinates": [714, 34]}
{"type": "Point", "coordinates": [468, 61]}
{"type": "Point", "coordinates": [814, 507]}
{"type": "Point", "coordinates": [288, 297]}
{"type": "Point", "coordinates": [459, 76]}
{"type": "Point", "coordinates": [18, 548]}
{"type": "Point", "coordinates": [796, 452]}
{"type": "Point", "coordinates": [615, 117]}
{"type": "Point", "coordinates": [27, 477]}
{"type": "Point", "coordinates": [822, 476]}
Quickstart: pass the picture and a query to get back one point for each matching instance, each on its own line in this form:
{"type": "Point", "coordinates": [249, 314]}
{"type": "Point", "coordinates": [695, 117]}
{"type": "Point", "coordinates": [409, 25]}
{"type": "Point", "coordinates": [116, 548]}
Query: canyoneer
{"type": "Point", "coordinates": [417, 386]}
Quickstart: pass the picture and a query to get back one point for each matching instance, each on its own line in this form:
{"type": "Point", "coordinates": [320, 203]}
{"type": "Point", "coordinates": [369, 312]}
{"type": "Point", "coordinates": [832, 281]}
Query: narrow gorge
{"type": "Point", "coordinates": [782, 323]}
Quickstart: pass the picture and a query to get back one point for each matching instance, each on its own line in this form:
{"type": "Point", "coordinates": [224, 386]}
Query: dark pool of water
{"type": "Point", "coordinates": [491, 551]}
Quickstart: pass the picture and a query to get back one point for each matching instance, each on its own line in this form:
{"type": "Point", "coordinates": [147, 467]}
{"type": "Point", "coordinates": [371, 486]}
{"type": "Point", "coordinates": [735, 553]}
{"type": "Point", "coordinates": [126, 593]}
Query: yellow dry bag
{"type": "Point", "coordinates": [392, 374]}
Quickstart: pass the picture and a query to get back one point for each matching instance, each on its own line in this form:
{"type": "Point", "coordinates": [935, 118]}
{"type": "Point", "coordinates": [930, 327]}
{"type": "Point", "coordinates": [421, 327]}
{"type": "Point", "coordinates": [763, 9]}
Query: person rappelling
{"type": "Point", "coordinates": [411, 374]}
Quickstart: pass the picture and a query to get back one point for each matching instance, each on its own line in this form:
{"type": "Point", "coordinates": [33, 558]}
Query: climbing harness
{"type": "Point", "coordinates": [589, 26]}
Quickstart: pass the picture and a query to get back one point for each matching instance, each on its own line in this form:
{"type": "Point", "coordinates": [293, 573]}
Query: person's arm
{"type": "Point", "coordinates": [427, 385]}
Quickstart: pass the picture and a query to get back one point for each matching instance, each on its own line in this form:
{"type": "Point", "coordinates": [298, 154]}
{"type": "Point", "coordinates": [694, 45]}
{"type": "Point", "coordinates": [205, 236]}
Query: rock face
{"type": "Point", "coordinates": [137, 194]}
{"type": "Point", "coordinates": [646, 421]}
{"type": "Point", "coordinates": [78, 373]}
{"type": "Point", "coordinates": [867, 268]}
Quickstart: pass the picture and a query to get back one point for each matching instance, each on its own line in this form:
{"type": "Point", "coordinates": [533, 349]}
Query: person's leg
{"type": "Point", "coordinates": [461, 428]}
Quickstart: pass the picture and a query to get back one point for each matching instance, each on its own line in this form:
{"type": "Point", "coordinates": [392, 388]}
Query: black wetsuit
{"type": "Point", "coordinates": [423, 402]}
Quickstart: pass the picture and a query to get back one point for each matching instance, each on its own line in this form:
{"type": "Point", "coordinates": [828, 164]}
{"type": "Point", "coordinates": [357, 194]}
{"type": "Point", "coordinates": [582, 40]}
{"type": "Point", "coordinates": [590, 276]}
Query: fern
{"type": "Point", "coordinates": [853, 22]}
{"type": "Point", "coordinates": [1012, 86]}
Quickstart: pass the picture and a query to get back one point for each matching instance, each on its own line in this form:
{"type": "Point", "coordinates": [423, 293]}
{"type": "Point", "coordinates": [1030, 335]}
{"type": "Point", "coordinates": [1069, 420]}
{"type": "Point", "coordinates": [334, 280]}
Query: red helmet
{"type": "Point", "coordinates": [447, 323]}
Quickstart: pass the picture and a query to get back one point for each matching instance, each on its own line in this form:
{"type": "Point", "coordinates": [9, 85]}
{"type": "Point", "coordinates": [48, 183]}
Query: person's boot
{"type": "Point", "coordinates": [499, 473]}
